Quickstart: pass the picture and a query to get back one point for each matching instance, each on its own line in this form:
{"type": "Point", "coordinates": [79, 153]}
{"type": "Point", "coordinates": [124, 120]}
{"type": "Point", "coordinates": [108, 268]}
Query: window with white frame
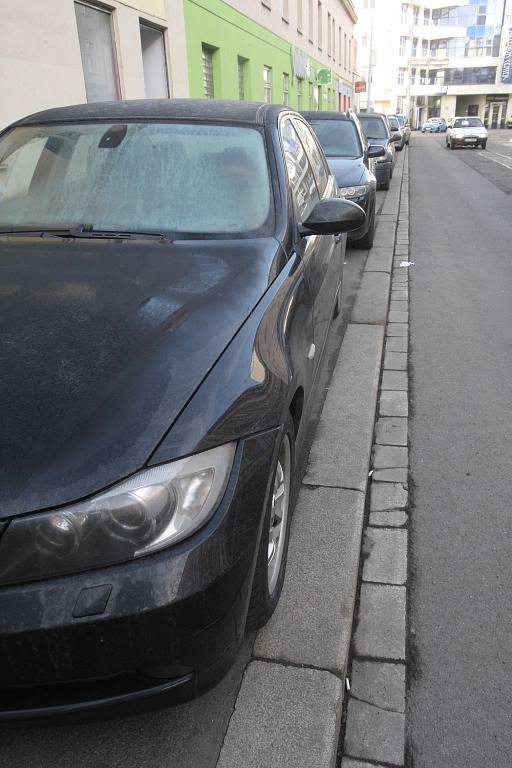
{"type": "Point", "coordinates": [319, 24]}
{"type": "Point", "coordinates": [242, 66]}
{"type": "Point", "coordinates": [299, 93]}
{"type": "Point", "coordinates": [403, 42]}
{"type": "Point", "coordinates": [154, 62]}
{"type": "Point", "coordinates": [329, 49]}
{"type": "Point", "coordinates": [267, 84]}
{"type": "Point", "coordinates": [97, 52]}
{"type": "Point", "coordinates": [299, 16]}
{"type": "Point", "coordinates": [286, 88]}
{"type": "Point", "coordinates": [207, 63]}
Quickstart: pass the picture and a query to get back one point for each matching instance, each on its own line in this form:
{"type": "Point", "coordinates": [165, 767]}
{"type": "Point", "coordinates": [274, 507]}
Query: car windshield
{"type": "Point", "coordinates": [338, 138]}
{"type": "Point", "coordinates": [394, 124]}
{"type": "Point", "coordinates": [401, 121]}
{"type": "Point", "coordinates": [374, 127]}
{"type": "Point", "coordinates": [139, 177]}
{"type": "Point", "coordinates": [468, 122]}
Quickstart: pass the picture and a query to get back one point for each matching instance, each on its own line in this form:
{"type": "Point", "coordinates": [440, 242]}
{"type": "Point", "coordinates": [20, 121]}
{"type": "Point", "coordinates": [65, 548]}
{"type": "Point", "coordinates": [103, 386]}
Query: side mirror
{"type": "Point", "coordinates": [376, 151]}
{"type": "Point", "coordinates": [332, 216]}
{"type": "Point", "coordinates": [396, 137]}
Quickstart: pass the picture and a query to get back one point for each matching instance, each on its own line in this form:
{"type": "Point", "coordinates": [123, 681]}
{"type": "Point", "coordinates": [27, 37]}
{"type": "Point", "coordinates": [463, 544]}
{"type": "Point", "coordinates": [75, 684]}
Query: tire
{"type": "Point", "coordinates": [484, 144]}
{"type": "Point", "coordinates": [268, 581]}
{"type": "Point", "coordinates": [366, 242]}
{"type": "Point", "coordinates": [452, 145]}
{"type": "Point", "coordinates": [391, 173]}
{"type": "Point", "coordinates": [385, 184]}
{"type": "Point", "coordinates": [446, 144]}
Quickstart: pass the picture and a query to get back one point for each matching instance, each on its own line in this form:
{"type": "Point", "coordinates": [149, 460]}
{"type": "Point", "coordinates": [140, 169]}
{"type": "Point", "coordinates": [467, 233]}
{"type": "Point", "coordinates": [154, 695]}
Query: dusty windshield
{"type": "Point", "coordinates": [373, 127]}
{"type": "Point", "coordinates": [141, 177]}
{"type": "Point", "coordinates": [468, 122]}
{"type": "Point", "coordinates": [338, 137]}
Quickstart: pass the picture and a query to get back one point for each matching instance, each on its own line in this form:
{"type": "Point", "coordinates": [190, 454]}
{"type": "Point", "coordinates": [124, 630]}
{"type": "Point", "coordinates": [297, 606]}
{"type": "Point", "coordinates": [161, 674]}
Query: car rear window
{"type": "Point", "coordinates": [339, 138]}
{"type": "Point", "coordinates": [168, 177]}
{"type": "Point", "coordinates": [373, 127]}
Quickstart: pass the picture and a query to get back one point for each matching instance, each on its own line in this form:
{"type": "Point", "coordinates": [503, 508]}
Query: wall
{"type": "Point", "coordinates": [215, 24]}
{"type": "Point", "coordinates": [40, 61]}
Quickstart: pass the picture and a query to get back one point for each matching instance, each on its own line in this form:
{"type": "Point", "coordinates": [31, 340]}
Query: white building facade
{"type": "Point", "coordinates": [438, 58]}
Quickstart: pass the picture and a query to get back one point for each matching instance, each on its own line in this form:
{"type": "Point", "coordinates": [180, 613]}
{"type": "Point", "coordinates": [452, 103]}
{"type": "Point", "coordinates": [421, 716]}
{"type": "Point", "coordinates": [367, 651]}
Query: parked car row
{"type": "Point", "coordinates": [170, 271]}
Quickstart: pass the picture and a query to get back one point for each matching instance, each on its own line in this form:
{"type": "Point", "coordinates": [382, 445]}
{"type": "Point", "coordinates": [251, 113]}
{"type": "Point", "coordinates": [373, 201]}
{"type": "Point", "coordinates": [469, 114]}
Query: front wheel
{"type": "Point", "coordinates": [484, 144]}
{"type": "Point", "coordinates": [452, 145]}
{"type": "Point", "coordinates": [366, 242]}
{"type": "Point", "coordinates": [271, 562]}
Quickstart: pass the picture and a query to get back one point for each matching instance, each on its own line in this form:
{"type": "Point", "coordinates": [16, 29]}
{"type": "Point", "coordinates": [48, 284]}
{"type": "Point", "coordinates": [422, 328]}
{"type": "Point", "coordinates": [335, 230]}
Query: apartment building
{"type": "Point", "coordinates": [429, 59]}
{"type": "Point", "coordinates": [57, 52]}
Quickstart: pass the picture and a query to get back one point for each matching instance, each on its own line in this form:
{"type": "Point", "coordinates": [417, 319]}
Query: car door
{"type": "Point", "coordinates": [321, 254]}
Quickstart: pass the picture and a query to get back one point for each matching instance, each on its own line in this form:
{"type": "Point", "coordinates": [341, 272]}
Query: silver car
{"type": "Point", "coordinates": [466, 132]}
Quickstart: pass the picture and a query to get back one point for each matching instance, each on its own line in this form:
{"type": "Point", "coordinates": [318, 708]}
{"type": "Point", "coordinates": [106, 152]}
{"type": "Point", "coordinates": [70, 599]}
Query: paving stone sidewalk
{"type": "Point", "coordinates": [375, 722]}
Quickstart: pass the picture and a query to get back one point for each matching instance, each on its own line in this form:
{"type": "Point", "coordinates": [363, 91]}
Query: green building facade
{"type": "Point", "coordinates": [232, 57]}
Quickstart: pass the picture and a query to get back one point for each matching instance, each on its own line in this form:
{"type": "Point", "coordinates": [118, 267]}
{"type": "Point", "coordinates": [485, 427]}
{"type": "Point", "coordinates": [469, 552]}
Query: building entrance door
{"type": "Point", "coordinates": [494, 114]}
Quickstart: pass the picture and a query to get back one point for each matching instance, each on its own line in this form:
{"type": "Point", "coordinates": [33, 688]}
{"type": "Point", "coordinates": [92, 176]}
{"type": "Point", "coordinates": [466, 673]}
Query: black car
{"type": "Point", "coordinates": [376, 129]}
{"type": "Point", "coordinates": [348, 152]}
{"type": "Point", "coordinates": [169, 272]}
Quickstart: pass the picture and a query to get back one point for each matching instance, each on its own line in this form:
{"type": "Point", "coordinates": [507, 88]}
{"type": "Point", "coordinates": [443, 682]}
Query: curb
{"type": "Point", "coordinates": [375, 722]}
{"type": "Point", "coordinates": [289, 707]}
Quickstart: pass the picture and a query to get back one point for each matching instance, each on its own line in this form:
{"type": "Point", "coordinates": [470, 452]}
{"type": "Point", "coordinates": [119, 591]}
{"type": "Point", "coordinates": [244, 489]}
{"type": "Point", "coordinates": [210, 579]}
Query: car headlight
{"type": "Point", "coordinates": [147, 512]}
{"type": "Point", "coordinates": [352, 191]}
{"type": "Point", "coordinates": [458, 135]}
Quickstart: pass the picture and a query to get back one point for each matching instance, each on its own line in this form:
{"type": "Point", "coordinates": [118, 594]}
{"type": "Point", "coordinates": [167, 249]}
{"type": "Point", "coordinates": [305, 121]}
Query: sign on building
{"type": "Point", "coordinates": [323, 76]}
{"type": "Point", "coordinates": [506, 72]}
{"type": "Point", "coordinates": [360, 86]}
{"type": "Point", "coordinates": [301, 65]}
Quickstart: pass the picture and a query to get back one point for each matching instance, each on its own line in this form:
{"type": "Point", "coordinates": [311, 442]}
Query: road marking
{"type": "Point", "coordinates": [485, 155]}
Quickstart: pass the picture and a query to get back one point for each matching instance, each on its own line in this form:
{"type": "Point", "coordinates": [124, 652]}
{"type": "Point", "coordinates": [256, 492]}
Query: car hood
{"type": "Point", "coordinates": [476, 130]}
{"type": "Point", "coordinates": [102, 345]}
{"type": "Point", "coordinates": [348, 171]}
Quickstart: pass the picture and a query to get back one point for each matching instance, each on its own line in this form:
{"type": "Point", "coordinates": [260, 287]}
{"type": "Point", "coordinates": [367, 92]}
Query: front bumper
{"type": "Point", "coordinates": [468, 141]}
{"type": "Point", "coordinates": [171, 626]}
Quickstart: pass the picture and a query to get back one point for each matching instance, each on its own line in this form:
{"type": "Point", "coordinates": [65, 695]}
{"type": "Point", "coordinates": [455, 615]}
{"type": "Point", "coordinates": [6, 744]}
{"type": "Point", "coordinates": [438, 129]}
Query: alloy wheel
{"type": "Point", "coordinates": [279, 514]}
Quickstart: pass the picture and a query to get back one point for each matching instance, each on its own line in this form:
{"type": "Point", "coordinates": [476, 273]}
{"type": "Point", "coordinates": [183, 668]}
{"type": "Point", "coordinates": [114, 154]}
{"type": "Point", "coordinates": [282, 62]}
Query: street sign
{"type": "Point", "coordinates": [323, 76]}
{"type": "Point", "coordinates": [360, 86]}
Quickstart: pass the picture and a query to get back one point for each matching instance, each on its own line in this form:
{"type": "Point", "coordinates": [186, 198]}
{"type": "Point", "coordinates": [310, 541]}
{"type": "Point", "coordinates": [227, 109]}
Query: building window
{"type": "Point", "coordinates": [207, 58]}
{"type": "Point", "coordinates": [339, 45]}
{"type": "Point", "coordinates": [329, 34]}
{"type": "Point", "coordinates": [286, 10]}
{"type": "Point", "coordinates": [424, 48]}
{"type": "Point", "coordinates": [472, 110]}
{"type": "Point", "coordinates": [415, 15]}
{"type": "Point", "coordinates": [153, 62]}
{"type": "Point", "coordinates": [286, 88]}
{"type": "Point", "coordinates": [310, 20]}
{"type": "Point", "coordinates": [426, 17]}
{"type": "Point", "coordinates": [345, 51]}
{"type": "Point", "coordinates": [403, 41]}
{"type": "Point", "coordinates": [414, 46]}
{"type": "Point", "coordinates": [405, 13]}
{"type": "Point", "coordinates": [97, 52]}
{"type": "Point", "coordinates": [350, 55]}
{"type": "Point", "coordinates": [423, 76]}
{"type": "Point", "coordinates": [319, 24]}
{"type": "Point", "coordinates": [267, 84]}
{"type": "Point", "coordinates": [299, 16]}
{"type": "Point", "coordinates": [401, 76]}
{"type": "Point", "coordinates": [299, 93]}
{"type": "Point", "coordinates": [413, 76]}
{"type": "Point", "coordinates": [334, 40]}
{"type": "Point", "coordinates": [364, 40]}
{"type": "Point", "coordinates": [311, 97]}
{"type": "Point", "coordinates": [242, 64]}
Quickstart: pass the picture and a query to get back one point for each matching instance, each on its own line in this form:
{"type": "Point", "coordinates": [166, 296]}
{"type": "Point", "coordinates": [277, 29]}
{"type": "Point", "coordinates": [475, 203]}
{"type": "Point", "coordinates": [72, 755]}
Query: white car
{"type": "Point", "coordinates": [466, 132]}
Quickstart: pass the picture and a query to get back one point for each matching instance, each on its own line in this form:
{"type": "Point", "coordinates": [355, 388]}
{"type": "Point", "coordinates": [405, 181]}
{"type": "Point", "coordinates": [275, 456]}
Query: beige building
{"type": "Point", "coordinates": [58, 52]}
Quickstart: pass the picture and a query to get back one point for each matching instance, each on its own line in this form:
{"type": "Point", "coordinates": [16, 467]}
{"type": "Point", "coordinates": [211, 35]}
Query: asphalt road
{"type": "Point", "coordinates": [460, 608]}
{"type": "Point", "coordinates": [191, 735]}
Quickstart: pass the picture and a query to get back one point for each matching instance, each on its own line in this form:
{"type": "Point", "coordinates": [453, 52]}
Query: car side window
{"type": "Point", "coordinates": [317, 162]}
{"type": "Point", "coordinates": [300, 173]}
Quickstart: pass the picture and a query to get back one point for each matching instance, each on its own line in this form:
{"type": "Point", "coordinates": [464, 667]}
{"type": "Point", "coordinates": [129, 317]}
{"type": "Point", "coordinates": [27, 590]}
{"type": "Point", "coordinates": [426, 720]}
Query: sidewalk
{"type": "Point", "coordinates": [289, 706]}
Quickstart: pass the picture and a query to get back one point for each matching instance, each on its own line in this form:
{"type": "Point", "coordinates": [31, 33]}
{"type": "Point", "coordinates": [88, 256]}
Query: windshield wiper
{"type": "Point", "coordinates": [87, 231]}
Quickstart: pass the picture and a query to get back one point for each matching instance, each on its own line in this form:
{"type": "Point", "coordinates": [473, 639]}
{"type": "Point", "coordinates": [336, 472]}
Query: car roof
{"type": "Point", "coordinates": [373, 115]}
{"type": "Point", "coordinates": [325, 115]}
{"type": "Point", "coordinates": [161, 109]}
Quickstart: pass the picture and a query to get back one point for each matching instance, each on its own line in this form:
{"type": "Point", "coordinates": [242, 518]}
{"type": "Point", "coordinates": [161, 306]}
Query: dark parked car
{"type": "Point", "coordinates": [377, 131]}
{"type": "Point", "coordinates": [348, 152]}
{"type": "Point", "coordinates": [169, 272]}
{"type": "Point", "coordinates": [397, 134]}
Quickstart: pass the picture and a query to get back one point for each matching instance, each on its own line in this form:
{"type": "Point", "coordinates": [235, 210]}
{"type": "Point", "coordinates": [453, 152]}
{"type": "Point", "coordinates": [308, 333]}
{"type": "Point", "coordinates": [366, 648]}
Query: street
{"type": "Point", "coordinates": [459, 641]}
